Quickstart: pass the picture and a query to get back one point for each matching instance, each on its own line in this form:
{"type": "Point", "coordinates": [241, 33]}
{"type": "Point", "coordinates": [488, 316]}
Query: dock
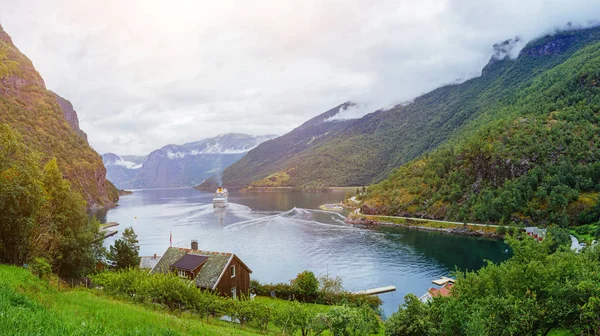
{"type": "Point", "coordinates": [442, 281]}
{"type": "Point", "coordinates": [105, 229]}
{"type": "Point", "coordinates": [375, 291]}
{"type": "Point", "coordinates": [108, 225]}
{"type": "Point", "coordinates": [109, 233]}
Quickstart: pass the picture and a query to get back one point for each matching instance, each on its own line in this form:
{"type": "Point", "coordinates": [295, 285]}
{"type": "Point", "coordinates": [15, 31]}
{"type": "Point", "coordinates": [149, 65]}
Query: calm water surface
{"type": "Point", "coordinates": [281, 234]}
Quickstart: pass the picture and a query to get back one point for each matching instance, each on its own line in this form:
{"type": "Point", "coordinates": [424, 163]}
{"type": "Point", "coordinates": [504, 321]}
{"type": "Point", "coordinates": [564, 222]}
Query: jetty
{"type": "Point", "coordinates": [374, 291]}
{"type": "Point", "coordinates": [105, 229]}
{"type": "Point", "coordinates": [442, 281]}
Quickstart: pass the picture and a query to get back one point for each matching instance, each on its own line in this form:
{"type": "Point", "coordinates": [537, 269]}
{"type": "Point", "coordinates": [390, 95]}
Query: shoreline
{"type": "Point", "coordinates": [438, 226]}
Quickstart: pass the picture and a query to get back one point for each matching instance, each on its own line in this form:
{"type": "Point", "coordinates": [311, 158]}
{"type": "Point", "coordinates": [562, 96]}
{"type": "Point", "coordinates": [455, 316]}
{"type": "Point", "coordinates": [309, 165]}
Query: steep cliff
{"type": "Point", "coordinates": [49, 124]}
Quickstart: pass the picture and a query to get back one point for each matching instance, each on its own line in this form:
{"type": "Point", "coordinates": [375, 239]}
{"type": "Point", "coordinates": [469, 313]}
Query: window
{"type": "Point", "coordinates": [182, 273]}
{"type": "Point", "coordinates": [234, 292]}
{"type": "Point", "coordinates": [232, 268]}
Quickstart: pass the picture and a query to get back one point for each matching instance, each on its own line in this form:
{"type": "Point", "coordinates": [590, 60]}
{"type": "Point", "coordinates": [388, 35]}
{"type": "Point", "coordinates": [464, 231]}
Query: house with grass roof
{"type": "Point", "coordinates": [222, 273]}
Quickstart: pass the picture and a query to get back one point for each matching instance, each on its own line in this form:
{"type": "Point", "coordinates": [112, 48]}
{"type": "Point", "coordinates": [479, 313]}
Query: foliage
{"type": "Point", "coordinates": [560, 236]}
{"type": "Point", "coordinates": [306, 286]}
{"type": "Point", "coordinates": [329, 291]}
{"type": "Point", "coordinates": [40, 267]}
{"type": "Point", "coordinates": [41, 215]}
{"type": "Point", "coordinates": [125, 251]}
{"type": "Point", "coordinates": [532, 293]}
{"type": "Point", "coordinates": [171, 292]}
{"type": "Point", "coordinates": [28, 107]}
{"type": "Point", "coordinates": [535, 163]}
{"type": "Point", "coordinates": [31, 306]}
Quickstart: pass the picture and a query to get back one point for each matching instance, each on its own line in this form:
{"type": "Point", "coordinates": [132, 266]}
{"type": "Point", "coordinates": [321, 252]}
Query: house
{"type": "Point", "coordinates": [223, 273]}
{"type": "Point", "coordinates": [148, 262]}
{"type": "Point", "coordinates": [445, 290]}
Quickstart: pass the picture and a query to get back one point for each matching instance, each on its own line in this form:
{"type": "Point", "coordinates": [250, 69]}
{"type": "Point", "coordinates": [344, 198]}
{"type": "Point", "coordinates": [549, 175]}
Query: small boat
{"type": "Point", "coordinates": [220, 198]}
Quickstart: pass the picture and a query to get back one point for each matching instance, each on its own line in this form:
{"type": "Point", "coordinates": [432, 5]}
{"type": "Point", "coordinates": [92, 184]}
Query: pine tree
{"type": "Point", "coordinates": [125, 252]}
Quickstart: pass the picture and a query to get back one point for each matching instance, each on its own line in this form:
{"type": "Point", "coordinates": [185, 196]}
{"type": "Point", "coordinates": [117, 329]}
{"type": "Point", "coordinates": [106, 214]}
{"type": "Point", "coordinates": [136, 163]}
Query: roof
{"type": "Point", "coordinates": [210, 273]}
{"type": "Point", "coordinates": [444, 291]}
{"type": "Point", "coordinates": [190, 262]}
{"type": "Point", "coordinates": [148, 262]}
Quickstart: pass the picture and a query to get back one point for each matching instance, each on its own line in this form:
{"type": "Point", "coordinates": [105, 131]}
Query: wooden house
{"type": "Point", "coordinates": [223, 273]}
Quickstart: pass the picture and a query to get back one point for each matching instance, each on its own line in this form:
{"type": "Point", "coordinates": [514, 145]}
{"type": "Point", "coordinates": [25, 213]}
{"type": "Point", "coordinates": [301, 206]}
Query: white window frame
{"type": "Point", "coordinates": [181, 273]}
{"type": "Point", "coordinates": [232, 270]}
{"type": "Point", "coordinates": [234, 293]}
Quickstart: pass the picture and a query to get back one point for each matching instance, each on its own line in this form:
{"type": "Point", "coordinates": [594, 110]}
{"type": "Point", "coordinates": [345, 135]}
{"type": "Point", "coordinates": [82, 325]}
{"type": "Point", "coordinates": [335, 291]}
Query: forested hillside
{"type": "Point", "coordinates": [537, 162]}
{"type": "Point", "coordinates": [275, 156]}
{"type": "Point", "coordinates": [367, 150]}
{"type": "Point", "coordinates": [49, 125]}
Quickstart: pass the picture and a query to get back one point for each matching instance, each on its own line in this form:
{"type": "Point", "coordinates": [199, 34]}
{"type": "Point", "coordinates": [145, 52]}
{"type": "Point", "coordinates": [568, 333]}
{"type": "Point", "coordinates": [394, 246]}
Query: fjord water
{"type": "Point", "coordinates": [281, 234]}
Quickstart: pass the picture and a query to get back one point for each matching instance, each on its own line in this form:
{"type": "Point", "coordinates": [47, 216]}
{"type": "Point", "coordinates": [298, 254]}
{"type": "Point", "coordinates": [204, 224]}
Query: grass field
{"type": "Point", "coordinates": [29, 306]}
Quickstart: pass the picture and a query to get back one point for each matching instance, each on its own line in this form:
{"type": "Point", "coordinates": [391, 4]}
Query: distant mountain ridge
{"type": "Point", "coordinates": [184, 165]}
{"type": "Point", "coordinates": [366, 150]}
{"type": "Point", "coordinates": [49, 124]}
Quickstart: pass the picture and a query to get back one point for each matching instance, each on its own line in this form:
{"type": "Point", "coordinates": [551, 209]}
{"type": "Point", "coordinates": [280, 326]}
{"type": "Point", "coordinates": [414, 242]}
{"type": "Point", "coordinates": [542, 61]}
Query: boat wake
{"type": "Point", "coordinates": [327, 220]}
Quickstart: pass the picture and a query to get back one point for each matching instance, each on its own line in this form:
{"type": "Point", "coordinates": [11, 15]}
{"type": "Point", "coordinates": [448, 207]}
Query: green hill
{"type": "Point", "coordinates": [530, 154]}
{"type": "Point", "coordinates": [49, 125]}
{"type": "Point", "coordinates": [367, 150]}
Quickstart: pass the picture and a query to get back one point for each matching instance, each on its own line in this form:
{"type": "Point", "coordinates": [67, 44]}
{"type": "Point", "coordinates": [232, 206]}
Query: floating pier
{"type": "Point", "coordinates": [107, 233]}
{"type": "Point", "coordinates": [375, 291]}
{"type": "Point", "coordinates": [442, 281]}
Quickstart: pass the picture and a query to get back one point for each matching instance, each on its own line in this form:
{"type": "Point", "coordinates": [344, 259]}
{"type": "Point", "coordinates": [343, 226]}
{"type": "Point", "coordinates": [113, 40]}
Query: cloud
{"type": "Point", "coordinates": [145, 73]}
{"type": "Point", "coordinates": [355, 111]}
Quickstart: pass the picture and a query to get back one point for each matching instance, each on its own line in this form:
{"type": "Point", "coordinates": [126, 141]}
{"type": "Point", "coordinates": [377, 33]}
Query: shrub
{"type": "Point", "coordinates": [306, 286]}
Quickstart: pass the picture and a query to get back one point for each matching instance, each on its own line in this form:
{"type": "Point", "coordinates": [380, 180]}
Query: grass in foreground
{"type": "Point", "coordinates": [30, 306]}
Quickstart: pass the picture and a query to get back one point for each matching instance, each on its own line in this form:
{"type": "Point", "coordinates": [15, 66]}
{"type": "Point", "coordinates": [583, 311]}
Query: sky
{"type": "Point", "coordinates": [142, 74]}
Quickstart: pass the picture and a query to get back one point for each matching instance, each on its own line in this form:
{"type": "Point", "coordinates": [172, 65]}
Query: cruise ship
{"type": "Point", "coordinates": [220, 198]}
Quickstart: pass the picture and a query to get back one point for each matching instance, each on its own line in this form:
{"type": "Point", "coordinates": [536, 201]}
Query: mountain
{"type": "Point", "coordinates": [180, 165]}
{"type": "Point", "coordinates": [273, 162]}
{"type": "Point", "coordinates": [49, 124]}
{"type": "Point", "coordinates": [366, 150]}
{"type": "Point", "coordinates": [530, 153]}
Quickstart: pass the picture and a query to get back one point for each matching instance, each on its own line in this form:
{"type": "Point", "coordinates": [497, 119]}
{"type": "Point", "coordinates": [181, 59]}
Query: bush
{"type": "Point", "coordinates": [171, 292]}
{"type": "Point", "coordinates": [583, 229]}
{"type": "Point", "coordinates": [306, 286]}
{"type": "Point", "coordinates": [330, 292]}
{"type": "Point", "coordinates": [40, 267]}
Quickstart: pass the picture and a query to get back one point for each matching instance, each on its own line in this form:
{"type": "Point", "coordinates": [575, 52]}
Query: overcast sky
{"type": "Point", "coordinates": [145, 73]}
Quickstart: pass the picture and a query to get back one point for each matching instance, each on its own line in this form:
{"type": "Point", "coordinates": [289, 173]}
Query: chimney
{"type": "Point", "coordinates": [194, 244]}
{"type": "Point", "coordinates": [154, 255]}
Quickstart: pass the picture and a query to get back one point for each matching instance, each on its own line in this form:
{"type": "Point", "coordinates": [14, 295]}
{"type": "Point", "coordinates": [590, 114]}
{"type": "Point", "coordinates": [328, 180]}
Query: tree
{"type": "Point", "coordinates": [21, 197]}
{"type": "Point", "coordinates": [411, 319]}
{"type": "Point", "coordinates": [560, 236]}
{"type": "Point", "coordinates": [306, 285]}
{"type": "Point", "coordinates": [68, 237]}
{"type": "Point", "coordinates": [125, 252]}
{"type": "Point", "coordinates": [534, 292]}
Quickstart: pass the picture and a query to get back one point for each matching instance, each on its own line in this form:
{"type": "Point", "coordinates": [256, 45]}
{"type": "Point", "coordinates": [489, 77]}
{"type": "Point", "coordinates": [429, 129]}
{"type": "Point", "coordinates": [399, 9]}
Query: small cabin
{"type": "Point", "coordinates": [222, 273]}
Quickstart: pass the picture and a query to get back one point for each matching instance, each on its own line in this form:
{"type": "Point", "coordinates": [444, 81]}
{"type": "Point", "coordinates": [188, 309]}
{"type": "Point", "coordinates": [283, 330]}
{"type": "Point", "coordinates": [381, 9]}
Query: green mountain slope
{"type": "Point", "coordinates": [533, 158]}
{"type": "Point", "coordinates": [367, 150]}
{"type": "Point", "coordinates": [280, 154]}
{"type": "Point", "coordinates": [49, 124]}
